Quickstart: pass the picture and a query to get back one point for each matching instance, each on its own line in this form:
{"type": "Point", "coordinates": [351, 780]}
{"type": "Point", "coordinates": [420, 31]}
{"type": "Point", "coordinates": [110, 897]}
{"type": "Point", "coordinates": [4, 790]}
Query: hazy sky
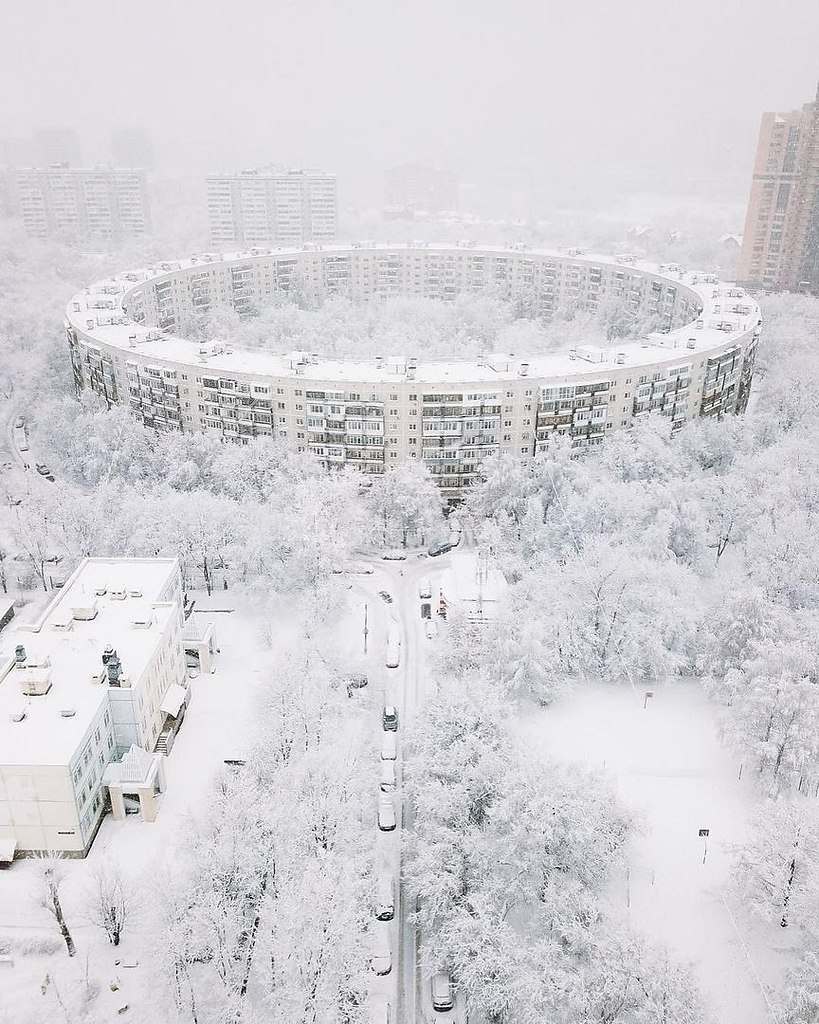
{"type": "Point", "coordinates": [652, 90]}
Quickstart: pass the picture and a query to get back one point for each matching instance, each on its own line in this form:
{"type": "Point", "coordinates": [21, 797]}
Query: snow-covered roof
{"type": "Point", "coordinates": [474, 584]}
{"type": "Point", "coordinates": [99, 315]}
{"type": "Point", "coordinates": [64, 648]}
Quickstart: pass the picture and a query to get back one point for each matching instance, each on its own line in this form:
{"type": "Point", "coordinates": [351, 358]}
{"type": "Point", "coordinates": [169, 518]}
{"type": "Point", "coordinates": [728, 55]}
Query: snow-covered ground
{"type": "Point", "coordinates": [672, 771]}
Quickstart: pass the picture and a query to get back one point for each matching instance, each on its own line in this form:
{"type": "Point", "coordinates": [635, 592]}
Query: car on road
{"type": "Point", "coordinates": [389, 746]}
{"type": "Point", "coordinates": [425, 590]}
{"type": "Point", "coordinates": [385, 597]}
{"type": "Point", "coordinates": [389, 718]}
{"type": "Point", "coordinates": [393, 646]}
{"type": "Point", "coordinates": [394, 556]}
{"type": "Point", "coordinates": [388, 781]}
{"type": "Point", "coordinates": [386, 815]}
{"type": "Point", "coordinates": [360, 569]}
{"type": "Point", "coordinates": [441, 548]}
{"type": "Point", "coordinates": [385, 898]}
{"type": "Point", "coordinates": [382, 953]}
{"type": "Point", "coordinates": [442, 995]}
{"type": "Point", "coordinates": [355, 681]}
{"type": "Point", "coordinates": [42, 468]}
{"type": "Point", "coordinates": [19, 422]}
{"type": "Point", "coordinates": [430, 629]}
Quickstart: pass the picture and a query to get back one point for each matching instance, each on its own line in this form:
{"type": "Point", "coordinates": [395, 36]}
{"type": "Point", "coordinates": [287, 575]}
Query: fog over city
{"type": "Point", "coordinates": [409, 459]}
{"type": "Point", "coordinates": [590, 98]}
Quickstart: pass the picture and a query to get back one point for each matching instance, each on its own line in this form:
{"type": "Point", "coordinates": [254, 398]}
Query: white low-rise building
{"type": "Point", "coordinates": [473, 585]}
{"type": "Point", "coordinates": [79, 687]}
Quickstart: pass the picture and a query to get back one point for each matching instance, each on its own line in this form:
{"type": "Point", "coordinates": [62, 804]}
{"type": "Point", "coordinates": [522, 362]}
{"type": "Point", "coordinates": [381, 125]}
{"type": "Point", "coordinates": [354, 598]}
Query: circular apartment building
{"type": "Point", "coordinates": [449, 414]}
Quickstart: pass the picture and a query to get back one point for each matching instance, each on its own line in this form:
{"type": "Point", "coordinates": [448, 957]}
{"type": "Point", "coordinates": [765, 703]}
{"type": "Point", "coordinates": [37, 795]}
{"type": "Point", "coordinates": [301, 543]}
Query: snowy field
{"type": "Point", "coordinates": [672, 772]}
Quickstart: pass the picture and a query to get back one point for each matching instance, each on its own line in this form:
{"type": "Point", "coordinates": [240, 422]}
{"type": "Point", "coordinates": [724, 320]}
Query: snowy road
{"type": "Point", "coordinates": [406, 687]}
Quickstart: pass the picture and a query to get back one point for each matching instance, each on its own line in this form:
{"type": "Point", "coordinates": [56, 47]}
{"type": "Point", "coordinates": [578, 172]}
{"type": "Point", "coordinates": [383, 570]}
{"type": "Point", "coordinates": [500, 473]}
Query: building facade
{"type": "Point", "coordinates": [780, 244]}
{"type": "Point", "coordinates": [98, 206]}
{"type": "Point", "coordinates": [420, 189]}
{"type": "Point", "coordinates": [270, 206]}
{"type": "Point", "coordinates": [450, 415]}
{"type": "Point", "coordinates": [79, 687]}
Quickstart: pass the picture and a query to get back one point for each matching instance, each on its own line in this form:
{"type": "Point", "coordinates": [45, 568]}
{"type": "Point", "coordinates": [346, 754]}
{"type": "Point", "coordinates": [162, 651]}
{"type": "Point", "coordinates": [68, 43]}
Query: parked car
{"type": "Point", "coordinates": [389, 746]}
{"type": "Point", "coordinates": [385, 597]}
{"type": "Point", "coordinates": [393, 646]}
{"type": "Point", "coordinates": [394, 556]}
{"type": "Point", "coordinates": [382, 953]}
{"type": "Point", "coordinates": [355, 681]}
{"type": "Point", "coordinates": [442, 995]}
{"type": "Point", "coordinates": [425, 590]}
{"type": "Point", "coordinates": [441, 548]}
{"type": "Point", "coordinates": [388, 781]}
{"type": "Point", "coordinates": [385, 897]}
{"type": "Point", "coordinates": [430, 629]}
{"type": "Point", "coordinates": [360, 569]}
{"type": "Point", "coordinates": [389, 718]}
{"type": "Point", "coordinates": [42, 468]}
{"type": "Point", "coordinates": [386, 815]}
{"type": "Point", "coordinates": [19, 422]}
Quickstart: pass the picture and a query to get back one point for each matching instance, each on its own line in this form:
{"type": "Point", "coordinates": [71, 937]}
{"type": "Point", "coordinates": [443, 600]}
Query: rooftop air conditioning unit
{"type": "Point", "coordinates": [17, 714]}
{"type": "Point", "coordinates": [143, 621]}
{"type": "Point", "coordinates": [117, 594]}
{"type": "Point", "coordinates": [134, 593]}
{"type": "Point", "coordinates": [68, 711]}
{"type": "Point", "coordinates": [691, 343]}
{"type": "Point", "coordinates": [524, 369]}
{"type": "Point", "coordinates": [36, 683]}
{"type": "Point", "coordinates": [85, 613]}
{"type": "Point", "coordinates": [100, 591]}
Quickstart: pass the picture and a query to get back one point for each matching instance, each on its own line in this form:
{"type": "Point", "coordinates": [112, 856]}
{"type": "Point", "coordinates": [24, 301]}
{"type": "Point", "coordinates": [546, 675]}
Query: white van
{"type": "Point", "coordinates": [387, 776]}
{"type": "Point", "coordinates": [382, 953]}
{"type": "Point", "coordinates": [425, 590]}
{"type": "Point", "coordinates": [389, 746]}
{"type": "Point", "coordinates": [385, 898]}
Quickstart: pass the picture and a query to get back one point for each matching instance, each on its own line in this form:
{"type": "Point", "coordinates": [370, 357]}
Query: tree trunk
{"type": "Point", "coordinates": [58, 914]}
{"type": "Point", "coordinates": [788, 887]}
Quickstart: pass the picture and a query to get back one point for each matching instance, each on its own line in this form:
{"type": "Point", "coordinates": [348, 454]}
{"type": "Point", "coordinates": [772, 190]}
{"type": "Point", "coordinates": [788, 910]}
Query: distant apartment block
{"type": "Point", "coordinates": [270, 206]}
{"type": "Point", "coordinates": [99, 205]}
{"type": "Point", "coordinates": [780, 244]}
{"type": "Point", "coordinates": [91, 694]}
{"type": "Point", "coordinates": [56, 146]}
{"type": "Point", "coordinates": [420, 189]}
{"type": "Point", "coordinates": [132, 147]}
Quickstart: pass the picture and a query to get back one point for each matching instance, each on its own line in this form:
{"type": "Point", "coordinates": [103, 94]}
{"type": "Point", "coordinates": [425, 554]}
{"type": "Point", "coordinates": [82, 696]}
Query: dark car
{"type": "Point", "coordinates": [441, 548]}
{"type": "Point", "coordinates": [389, 718]}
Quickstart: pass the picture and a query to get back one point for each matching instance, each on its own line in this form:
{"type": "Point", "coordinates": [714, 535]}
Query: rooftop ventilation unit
{"type": "Point", "coordinates": [85, 613]}
{"type": "Point", "coordinates": [17, 714]}
{"type": "Point", "coordinates": [68, 711]}
{"type": "Point", "coordinates": [524, 369]}
{"type": "Point", "coordinates": [36, 682]}
{"type": "Point", "coordinates": [143, 620]}
{"type": "Point", "coordinates": [134, 593]}
{"type": "Point", "coordinates": [117, 594]}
